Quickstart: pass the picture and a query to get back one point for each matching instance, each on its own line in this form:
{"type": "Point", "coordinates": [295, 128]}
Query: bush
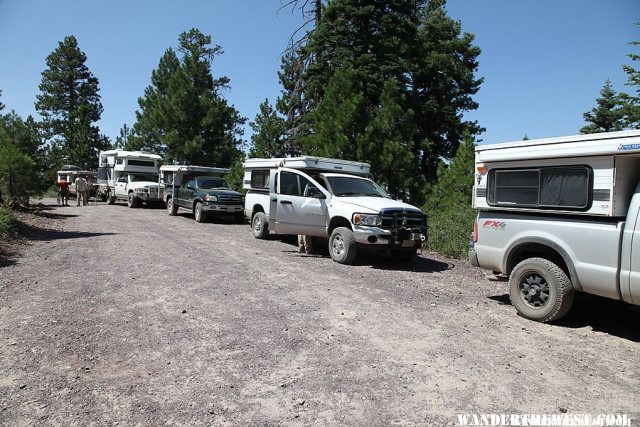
{"type": "Point", "coordinates": [450, 229]}
{"type": "Point", "coordinates": [7, 221]}
{"type": "Point", "coordinates": [449, 204]}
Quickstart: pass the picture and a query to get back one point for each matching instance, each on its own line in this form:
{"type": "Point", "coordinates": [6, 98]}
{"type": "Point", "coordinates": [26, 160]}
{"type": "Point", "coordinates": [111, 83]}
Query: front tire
{"type": "Point", "coordinates": [132, 201]}
{"type": "Point", "coordinates": [342, 246]}
{"type": "Point", "coordinates": [260, 226]}
{"type": "Point", "coordinates": [540, 290]}
{"type": "Point", "coordinates": [199, 214]}
{"type": "Point", "coordinates": [172, 208]}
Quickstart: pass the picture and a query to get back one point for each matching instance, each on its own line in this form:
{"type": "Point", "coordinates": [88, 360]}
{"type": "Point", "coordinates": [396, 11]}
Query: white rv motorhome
{"type": "Point", "coordinates": [129, 175]}
{"type": "Point", "coordinates": [560, 215]}
{"type": "Point", "coordinates": [330, 198]}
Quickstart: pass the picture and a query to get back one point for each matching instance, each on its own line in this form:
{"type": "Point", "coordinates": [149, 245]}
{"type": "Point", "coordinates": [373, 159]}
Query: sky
{"type": "Point", "coordinates": [544, 62]}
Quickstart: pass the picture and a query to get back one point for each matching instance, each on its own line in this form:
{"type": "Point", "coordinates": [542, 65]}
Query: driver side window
{"type": "Point", "coordinates": [293, 184]}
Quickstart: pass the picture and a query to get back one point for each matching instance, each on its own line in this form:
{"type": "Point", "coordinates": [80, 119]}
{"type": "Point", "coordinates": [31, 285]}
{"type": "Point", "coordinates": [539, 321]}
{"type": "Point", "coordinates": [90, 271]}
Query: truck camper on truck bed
{"type": "Point", "coordinates": [330, 198]}
{"type": "Point", "coordinates": [201, 190]}
{"type": "Point", "coordinates": [129, 175]}
{"type": "Point", "coordinates": [560, 215]}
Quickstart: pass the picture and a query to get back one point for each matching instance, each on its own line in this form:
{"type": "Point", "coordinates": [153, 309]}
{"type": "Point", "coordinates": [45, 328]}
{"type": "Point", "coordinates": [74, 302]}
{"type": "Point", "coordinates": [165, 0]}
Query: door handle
{"type": "Point", "coordinates": [285, 202]}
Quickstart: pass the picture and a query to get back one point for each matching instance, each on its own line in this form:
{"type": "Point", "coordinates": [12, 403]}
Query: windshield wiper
{"type": "Point", "coordinates": [349, 194]}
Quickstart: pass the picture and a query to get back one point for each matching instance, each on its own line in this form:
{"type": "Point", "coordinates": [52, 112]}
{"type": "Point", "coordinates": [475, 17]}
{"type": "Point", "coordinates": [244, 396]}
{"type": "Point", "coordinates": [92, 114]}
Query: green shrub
{"type": "Point", "coordinates": [7, 221]}
{"type": "Point", "coordinates": [450, 229]}
{"type": "Point", "coordinates": [449, 204]}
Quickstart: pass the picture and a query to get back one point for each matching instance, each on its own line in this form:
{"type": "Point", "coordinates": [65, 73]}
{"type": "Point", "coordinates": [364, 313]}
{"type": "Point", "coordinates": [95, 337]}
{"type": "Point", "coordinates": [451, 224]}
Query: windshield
{"type": "Point", "coordinates": [140, 178]}
{"type": "Point", "coordinates": [347, 186]}
{"type": "Point", "coordinates": [211, 182]}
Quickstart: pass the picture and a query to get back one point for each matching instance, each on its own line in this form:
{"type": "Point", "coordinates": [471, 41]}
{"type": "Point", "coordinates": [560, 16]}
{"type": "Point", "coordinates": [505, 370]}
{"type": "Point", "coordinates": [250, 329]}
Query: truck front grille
{"type": "Point", "coordinates": [229, 198]}
{"type": "Point", "coordinates": [395, 218]}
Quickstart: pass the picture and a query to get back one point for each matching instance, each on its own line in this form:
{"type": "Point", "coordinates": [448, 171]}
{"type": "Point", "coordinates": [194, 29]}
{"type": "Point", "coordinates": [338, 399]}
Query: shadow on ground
{"type": "Point", "coordinates": [371, 258]}
{"type": "Point", "coordinates": [601, 314]}
{"type": "Point", "coordinates": [31, 232]}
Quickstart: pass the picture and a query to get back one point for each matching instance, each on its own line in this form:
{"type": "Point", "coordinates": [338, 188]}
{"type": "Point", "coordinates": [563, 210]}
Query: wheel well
{"type": "Point", "coordinates": [256, 209]}
{"type": "Point", "coordinates": [338, 221]}
{"type": "Point", "coordinates": [534, 250]}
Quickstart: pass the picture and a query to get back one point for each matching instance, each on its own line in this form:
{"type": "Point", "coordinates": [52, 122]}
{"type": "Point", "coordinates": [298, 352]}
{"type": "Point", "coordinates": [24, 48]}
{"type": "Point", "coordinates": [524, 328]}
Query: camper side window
{"type": "Point", "coordinates": [566, 187]}
{"type": "Point", "coordinates": [260, 179]}
{"type": "Point", "coordinates": [118, 161]}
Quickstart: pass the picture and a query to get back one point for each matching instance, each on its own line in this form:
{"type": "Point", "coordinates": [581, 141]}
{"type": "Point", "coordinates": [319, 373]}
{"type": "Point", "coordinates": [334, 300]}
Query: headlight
{"type": "Point", "coordinates": [366, 219]}
{"type": "Point", "coordinates": [210, 198]}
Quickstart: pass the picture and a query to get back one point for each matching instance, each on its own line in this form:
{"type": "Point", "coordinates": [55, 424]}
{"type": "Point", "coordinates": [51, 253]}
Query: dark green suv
{"type": "Point", "coordinates": [206, 196]}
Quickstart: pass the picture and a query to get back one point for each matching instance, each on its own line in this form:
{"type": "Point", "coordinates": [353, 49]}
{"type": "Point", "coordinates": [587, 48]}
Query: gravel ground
{"type": "Point", "coordinates": [130, 316]}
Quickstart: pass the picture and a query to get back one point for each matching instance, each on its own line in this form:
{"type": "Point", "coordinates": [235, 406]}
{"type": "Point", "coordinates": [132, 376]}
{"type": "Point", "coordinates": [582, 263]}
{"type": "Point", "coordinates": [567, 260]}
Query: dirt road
{"type": "Point", "coordinates": [130, 316]}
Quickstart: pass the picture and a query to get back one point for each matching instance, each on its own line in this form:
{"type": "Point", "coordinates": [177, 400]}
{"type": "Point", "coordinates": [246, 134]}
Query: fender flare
{"type": "Point", "coordinates": [517, 244]}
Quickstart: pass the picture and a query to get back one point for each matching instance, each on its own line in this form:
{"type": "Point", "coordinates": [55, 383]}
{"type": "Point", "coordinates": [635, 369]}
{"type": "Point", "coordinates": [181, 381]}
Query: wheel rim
{"type": "Point", "coordinates": [198, 212]}
{"type": "Point", "coordinates": [338, 245]}
{"type": "Point", "coordinates": [257, 224]}
{"type": "Point", "coordinates": [535, 290]}
{"type": "Point", "coordinates": [170, 205]}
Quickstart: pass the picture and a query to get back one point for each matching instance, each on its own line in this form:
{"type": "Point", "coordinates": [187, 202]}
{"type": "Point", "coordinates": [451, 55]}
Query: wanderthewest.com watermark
{"type": "Point", "coordinates": [559, 420]}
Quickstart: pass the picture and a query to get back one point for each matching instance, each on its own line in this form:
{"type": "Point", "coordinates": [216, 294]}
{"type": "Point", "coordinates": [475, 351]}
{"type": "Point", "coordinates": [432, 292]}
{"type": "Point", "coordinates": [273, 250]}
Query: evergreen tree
{"type": "Point", "coordinates": [451, 214]}
{"type": "Point", "coordinates": [608, 115]}
{"type": "Point", "coordinates": [404, 60]}
{"type": "Point", "coordinates": [631, 101]}
{"type": "Point", "coordinates": [69, 104]}
{"type": "Point", "coordinates": [122, 140]}
{"type": "Point", "coordinates": [183, 116]}
{"type": "Point", "coordinates": [268, 133]}
{"type": "Point", "coordinates": [24, 137]}
{"type": "Point", "coordinates": [1, 104]}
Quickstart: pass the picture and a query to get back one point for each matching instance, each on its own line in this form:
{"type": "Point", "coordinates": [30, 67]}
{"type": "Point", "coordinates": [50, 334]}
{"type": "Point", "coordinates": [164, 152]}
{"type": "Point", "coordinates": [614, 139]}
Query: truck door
{"type": "Point", "coordinates": [634, 258]}
{"type": "Point", "coordinates": [300, 205]}
{"type": "Point", "coordinates": [630, 253]}
{"type": "Point", "coordinates": [121, 185]}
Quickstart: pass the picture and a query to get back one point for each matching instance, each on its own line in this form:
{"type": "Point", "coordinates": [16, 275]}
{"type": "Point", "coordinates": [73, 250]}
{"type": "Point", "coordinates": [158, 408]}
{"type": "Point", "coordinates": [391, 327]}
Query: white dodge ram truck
{"type": "Point", "coordinates": [308, 198]}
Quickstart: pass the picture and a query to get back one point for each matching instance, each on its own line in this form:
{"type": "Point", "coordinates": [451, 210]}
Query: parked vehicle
{"type": "Point", "coordinates": [129, 175]}
{"type": "Point", "coordinates": [202, 190]}
{"type": "Point", "coordinates": [334, 199]}
{"type": "Point", "coordinates": [69, 173]}
{"type": "Point", "coordinates": [560, 215]}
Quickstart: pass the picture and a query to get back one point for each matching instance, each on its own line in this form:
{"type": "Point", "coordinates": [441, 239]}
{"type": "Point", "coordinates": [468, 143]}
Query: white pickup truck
{"type": "Point", "coordinates": [334, 199]}
{"type": "Point", "coordinates": [131, 176]}
{"type": "Point", "coordinates": [560, 215]}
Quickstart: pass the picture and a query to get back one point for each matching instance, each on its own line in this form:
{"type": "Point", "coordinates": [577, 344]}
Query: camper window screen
{"type": "Point", "coordinates": [544, 188]}
{"type": "Point", "coordinates": [132, 162]}
{"type": "Point", "coordinates": [260, 179]}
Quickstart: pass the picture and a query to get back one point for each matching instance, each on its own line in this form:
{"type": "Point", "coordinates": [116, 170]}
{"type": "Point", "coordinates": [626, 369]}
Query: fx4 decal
{"type": "Point", "coordinates": [497, 225]}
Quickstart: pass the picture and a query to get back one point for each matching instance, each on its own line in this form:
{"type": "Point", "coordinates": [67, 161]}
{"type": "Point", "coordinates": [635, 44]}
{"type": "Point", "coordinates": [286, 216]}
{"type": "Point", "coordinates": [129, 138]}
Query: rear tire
{"type": "Point", "coordinates": [260, 226]}
{"type": "Point", "coordinates": [199, 214]}
{"type": "Point", "coordinates": [540, 290]}
{"type": "Point", "coordinates": [172, 208]}
{"type": "Point", "coordinates": [342, 246]}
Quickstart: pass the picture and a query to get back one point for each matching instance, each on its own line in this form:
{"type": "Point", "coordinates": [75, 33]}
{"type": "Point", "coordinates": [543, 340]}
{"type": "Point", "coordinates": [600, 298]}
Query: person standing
{"type": "Point", "coordinates": [87, 193]}
{"type": "Point", "coordinates": [63, 188]}
{"type": "Point", "coordinates": [81, 189]}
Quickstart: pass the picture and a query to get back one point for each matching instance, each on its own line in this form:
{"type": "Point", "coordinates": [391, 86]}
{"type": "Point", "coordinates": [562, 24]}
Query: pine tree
{"type": "Point", "coordinates": [268, 138]}
{"type": "Point", "coordinates": [631, 101]}
{"type": "Point", "coordinates": [69, 104]}
{"type": "Point", "coordinates": [608, 115]}
{"type": "Point", "coordinates": [183, 116]}
{"type": "Point", "coordinates": [405, 60]}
